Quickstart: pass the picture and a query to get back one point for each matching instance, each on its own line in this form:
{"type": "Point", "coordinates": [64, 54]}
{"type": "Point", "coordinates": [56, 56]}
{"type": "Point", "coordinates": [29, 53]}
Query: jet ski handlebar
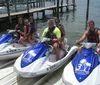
{"type": "Point", "coordinates": [88, 44]}
{"type": "Point", "coordinates": [11, 31]}
{"type": "Point", "coordinates": [45, 39]}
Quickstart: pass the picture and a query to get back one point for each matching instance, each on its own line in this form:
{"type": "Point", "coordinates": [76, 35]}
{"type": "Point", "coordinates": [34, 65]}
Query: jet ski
{"type": "Point", "coordinates": [12, 49]}
{"type": "Point", "coordinates": [6, 39]}
{"type": "Point", "coordinates": [84, 69]}
{"type": "Point", "coordinates": [40, 59]}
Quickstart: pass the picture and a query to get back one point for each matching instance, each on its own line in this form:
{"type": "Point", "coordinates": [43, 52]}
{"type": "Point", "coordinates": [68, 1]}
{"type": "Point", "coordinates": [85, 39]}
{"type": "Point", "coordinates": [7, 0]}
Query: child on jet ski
{"type": "Point", "coordinates": [23, 31]}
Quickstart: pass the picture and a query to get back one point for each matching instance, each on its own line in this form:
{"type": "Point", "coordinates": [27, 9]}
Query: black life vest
{"type": "Point", "coordinates": [60, 27]}
{"type": "Point", "coordinates": [20, 27]}
{"type": "Point", "coordinates": [50, 33]}
{"type": "Point", "coordinates": [93, 36]}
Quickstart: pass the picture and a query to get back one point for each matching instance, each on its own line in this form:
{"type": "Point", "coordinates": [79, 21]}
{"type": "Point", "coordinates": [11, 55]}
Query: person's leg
{"type": "Point", "coordinates": [57, 50]}
{"type": "Point", "coordinates": [80, 48]}
{"type": "Point", "coordinates": [22, 40]}
{"type": "Point", "coordinates": [63, 48]}
{"type": "Point", "coordinates": [29, 39]}
{"type": "Point", "coordinates": [34, 37]}
{"type": "Point", "coordinates": [98, 51]}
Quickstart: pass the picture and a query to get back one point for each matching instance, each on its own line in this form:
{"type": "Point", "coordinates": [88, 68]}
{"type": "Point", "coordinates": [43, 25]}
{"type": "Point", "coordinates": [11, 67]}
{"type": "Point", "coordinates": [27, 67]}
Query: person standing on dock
{"type": "Point", "coordinates": [54, 33]}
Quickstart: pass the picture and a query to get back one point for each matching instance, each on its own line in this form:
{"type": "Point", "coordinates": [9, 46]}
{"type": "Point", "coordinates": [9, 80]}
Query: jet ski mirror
{"type": "Point", "coordinates": [50, 48]}
{"type": "Point", "coordinates": [11, 31]}
{"type": "Point", "coordinates": [88, 44]}
{"type": "Point", "coordinates": [45, 39]}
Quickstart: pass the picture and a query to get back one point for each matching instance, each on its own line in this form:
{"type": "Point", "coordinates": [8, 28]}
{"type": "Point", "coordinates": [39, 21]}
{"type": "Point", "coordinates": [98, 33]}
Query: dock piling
{"type": "Point", "coordinates": [73, 4]}
{"type": "Point", "coordinates": [8, 11]}
{"type": "Point", "coordinates": [27, 7]}
{"type": "Point", "coordinates": [61, 6]}
{"type": "Point", "coordinates": [67, 9]}
{"type": "Point", "coordinates": [57, 13]}
{"type": "Point", "coordinates": [87, 12]}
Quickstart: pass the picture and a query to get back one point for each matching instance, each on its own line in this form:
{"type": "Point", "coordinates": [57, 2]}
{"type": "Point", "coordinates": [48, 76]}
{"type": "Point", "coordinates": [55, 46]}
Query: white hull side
{"type": "Point", "coordinates": [12, 51]}
{"type": "Point", "coordinates": [70, 79]}
{"type": "Point", "coordinates": [38, 67]}
{"type": "Point", "coordinates": [11, 56]}
{"type": "Point", "coordinates": [3, 45]}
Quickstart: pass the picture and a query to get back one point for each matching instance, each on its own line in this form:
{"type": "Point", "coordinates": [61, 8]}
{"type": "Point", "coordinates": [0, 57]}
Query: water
{"type": "Point", "coordinates": [73, 21]}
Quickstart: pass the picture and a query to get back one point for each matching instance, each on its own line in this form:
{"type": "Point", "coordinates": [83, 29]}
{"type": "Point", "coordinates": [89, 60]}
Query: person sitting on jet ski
{"type": "Point", "coordinates": [24, 32]}
{"type": "Point", "coordinates": [92, 35]}
{"type": "Point", "coordinates": [54, 33]}
{"type": "Point", "coordinates": [61, 27]}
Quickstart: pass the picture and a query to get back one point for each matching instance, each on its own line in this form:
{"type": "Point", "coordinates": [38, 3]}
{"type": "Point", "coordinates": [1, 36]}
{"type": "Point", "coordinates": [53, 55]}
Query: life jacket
{"type": "Point", "coordinates": [93, 36]}
{"type": "Point", "coordinates": [50, 33]}
{"type": "Point", "coordinates": [19, 27]}
{"type": "Point", "coordinates": [27, 28]}
{"type": "Point", "coordinates": [60, 27]}
{"type": "Point", "coordinates": [32, 24]}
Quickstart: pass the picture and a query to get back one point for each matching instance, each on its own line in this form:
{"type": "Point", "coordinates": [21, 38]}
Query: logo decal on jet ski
{"type": "Point", "coordinates": [83, 67]}
{"type": "Point", "coordinates": [33, 54]}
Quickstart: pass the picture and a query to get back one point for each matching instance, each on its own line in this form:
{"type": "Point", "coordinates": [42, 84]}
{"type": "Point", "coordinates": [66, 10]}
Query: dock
{"type": "Point", "coordinates": [34, 10]}
{"type": "Point", "coordinates": [9, 77]}
{"type": "Point", "coordinates": [26, 7]}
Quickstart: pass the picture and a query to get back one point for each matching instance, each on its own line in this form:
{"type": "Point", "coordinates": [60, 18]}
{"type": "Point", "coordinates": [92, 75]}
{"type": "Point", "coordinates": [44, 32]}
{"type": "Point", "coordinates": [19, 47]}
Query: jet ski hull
{"type": "Point", "coordinates": [73, 74]}
{"type": "Point", "coordinates": [42, 65]}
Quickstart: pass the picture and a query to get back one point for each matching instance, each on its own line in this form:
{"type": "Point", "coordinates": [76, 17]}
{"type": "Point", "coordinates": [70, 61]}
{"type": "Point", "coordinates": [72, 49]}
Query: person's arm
{"type": "Point", "coordinates": [99, 38]}
{"type": "Point", "coordinates": [63, 31]}
{"type": "Point", "coordinates": [82, 38]}
{"type": "Point", "coordinates": [16, 27]}
{"type": "Point", "coordinates": [44, 33]}
{"type": "Point", "coordinates": [29, 29]}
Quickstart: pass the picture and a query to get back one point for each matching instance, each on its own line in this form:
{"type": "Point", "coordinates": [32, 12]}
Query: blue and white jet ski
{"type": "Point", "coordinates": [39, 59]}
{"type": "Point", "coordinates": [6, 39]}
{"type": "Point", "coordinates": [84, 69]}
{"type": "Point", "coordinates": [11, 49]}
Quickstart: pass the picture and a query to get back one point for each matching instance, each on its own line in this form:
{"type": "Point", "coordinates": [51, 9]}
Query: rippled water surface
{"type": "Point", "coordinates": [73, 21]}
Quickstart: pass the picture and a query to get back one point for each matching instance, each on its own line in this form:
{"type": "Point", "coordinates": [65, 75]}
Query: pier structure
{"type": "Point", "coordinates": [14, 8]}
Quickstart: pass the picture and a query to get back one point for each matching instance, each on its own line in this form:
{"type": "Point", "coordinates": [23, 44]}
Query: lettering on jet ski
{"type": "Point", "coordinates": [11, 51]}
{"type": "Point", "coordinates": [83, 67]}
{"type": "Point", "coordinates": [51, 67]}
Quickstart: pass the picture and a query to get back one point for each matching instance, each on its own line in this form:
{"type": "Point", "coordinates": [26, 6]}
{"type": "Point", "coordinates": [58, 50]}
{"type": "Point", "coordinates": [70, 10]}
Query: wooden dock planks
{"type": "Point", "coordinates": [33, 10]}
